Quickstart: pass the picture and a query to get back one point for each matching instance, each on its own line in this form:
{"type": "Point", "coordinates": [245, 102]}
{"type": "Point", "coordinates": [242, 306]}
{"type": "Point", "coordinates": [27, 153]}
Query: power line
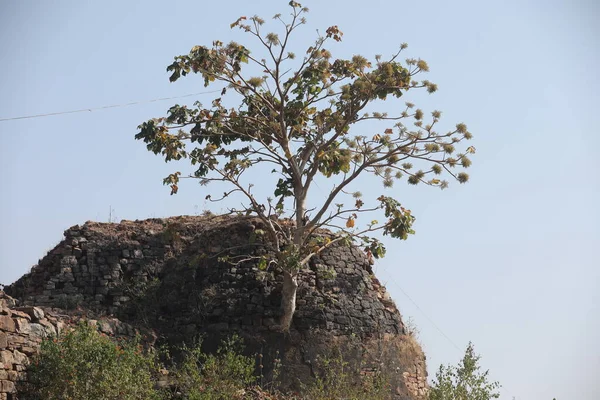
{"type": "Point", "coordinates": [424, 314]}
{"type": "Point", "coordinates": [434, 324]}
{"type": "Point", "coordinates": [133, 103]}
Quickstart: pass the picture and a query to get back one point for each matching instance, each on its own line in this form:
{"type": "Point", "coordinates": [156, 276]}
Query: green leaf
{"type": "Point", "coordinates": [262, 264]}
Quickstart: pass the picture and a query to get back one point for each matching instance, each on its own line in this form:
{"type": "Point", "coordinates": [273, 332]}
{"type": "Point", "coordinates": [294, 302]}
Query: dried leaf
{"type": "Point", "coordinates": [240, 19]}
{"type": "Point", "coordinates": [350, 223]}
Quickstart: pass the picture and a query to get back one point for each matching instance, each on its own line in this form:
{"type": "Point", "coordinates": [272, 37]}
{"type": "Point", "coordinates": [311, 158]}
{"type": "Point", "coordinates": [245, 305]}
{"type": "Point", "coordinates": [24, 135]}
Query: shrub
{"type": "Point", "coordinates": [464, 381]}
{"type": "Point", "coordinates": [339, 381]}
{"type": "Point", "coordinates": [84, 364]}
{"type": "Point", "coordinates": [224, 375]}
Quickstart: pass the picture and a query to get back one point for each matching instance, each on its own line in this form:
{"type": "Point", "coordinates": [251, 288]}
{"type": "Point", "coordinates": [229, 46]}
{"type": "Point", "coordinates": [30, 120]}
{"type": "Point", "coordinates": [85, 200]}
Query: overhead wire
{"type": "Point", "coordinates": [391, 279]}
{"type": "Point", "coordinates": [423, 312]}
{"type": "Point", "coordinates": [133, 103]}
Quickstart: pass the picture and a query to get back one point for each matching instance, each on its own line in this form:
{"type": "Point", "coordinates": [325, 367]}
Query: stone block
{"type": "Point", "coordinates": [17, 376]}
{"type": "Point", "coordinates": [106, 326]}
{"type": "Point", "coordinates": [6, 323]}
{"type": "Point", "coordinates": [22, 326]}
{"type": "Point", "coordinates": [68, 261]}
{"type": "Point", "coordinates": [20, 358]}
{"type": "Point", "coordinates": [7, 387]}
{"type": "Point", "coordinates": [18, 313]}
{"type": "Point", "coordinates": [37, 330]}
{"type": "Point", "coordinates": [6, 359]}
{"type": "Point", "coordinates": [50, 329]}
{"type": "Point", "coordinates": [28, 350]}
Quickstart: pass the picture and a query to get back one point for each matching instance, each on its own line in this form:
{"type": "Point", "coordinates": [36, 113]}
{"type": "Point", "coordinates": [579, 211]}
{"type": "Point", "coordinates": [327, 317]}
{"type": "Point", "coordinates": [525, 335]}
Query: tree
{"type": "Point", "coordinates": [298, 116]}
{"type": "Point", "coordinates": [464, 382]}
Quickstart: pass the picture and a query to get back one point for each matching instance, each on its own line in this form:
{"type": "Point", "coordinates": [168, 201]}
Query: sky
{"type": "Point", "coordinates": [508, 261]}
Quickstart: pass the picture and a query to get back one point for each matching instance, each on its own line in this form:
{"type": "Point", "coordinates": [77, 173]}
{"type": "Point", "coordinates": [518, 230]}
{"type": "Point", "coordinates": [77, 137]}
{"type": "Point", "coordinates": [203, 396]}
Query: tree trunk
{"type": "Point", "coordinates": [288, 299]}
{"type": "Point", "coordinates": [290, 272]}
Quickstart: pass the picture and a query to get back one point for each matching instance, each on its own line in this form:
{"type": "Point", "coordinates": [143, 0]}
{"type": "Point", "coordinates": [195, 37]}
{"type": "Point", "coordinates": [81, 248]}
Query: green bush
{"type": "Point", "coordinates": [464, 381]}
{"type": "Point", "coordinates": [338, 380]}
{"type": "Point", "coordinates": [230, 375]}
{"type": "Point", "coordinates": [224, 375]}
{"type": "Point", "coordinates": [84, 364]}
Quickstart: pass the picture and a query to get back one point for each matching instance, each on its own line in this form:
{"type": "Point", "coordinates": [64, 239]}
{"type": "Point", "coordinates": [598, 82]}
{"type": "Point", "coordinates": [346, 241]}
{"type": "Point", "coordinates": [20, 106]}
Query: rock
{"type": "Point", "coordinates": [7, 386]}
{"type": "Point", "coordinates": [106, 326]}
{"type": "Point", "coordinates": [6, 359]}
{"type": "Point", "coordinates": [20, 314]}
{"type": "Point", "coordinates": [37, 331]}
{"type": "Point", "coordinates": [35, 313]}
{"type": "Point", "coordinates": [6, 323]}
{"type": "Point", "coordinates": [20, 358]}
{"type": "Point", "coordinates": [23, 326]}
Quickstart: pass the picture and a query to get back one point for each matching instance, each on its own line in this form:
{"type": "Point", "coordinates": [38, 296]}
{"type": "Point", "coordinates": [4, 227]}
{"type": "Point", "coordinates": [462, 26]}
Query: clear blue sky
{"type": "Point", "coordinates": [509, 261]}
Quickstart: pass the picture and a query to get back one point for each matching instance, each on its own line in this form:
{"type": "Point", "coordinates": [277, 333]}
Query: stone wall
{"type": "Point", "coordinates": [22, 329]}
{"type": "Point", "coordinates": [103, 267]}
{"type": "Point", "coordinates": [185, 276]}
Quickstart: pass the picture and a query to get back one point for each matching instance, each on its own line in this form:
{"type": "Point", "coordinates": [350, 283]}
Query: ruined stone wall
{"type": "Point", "coordinates": [22, 329]}
{"type": "Point", "coordinates": [185, 276]}
{"type": "Point", "coordinates": [88, 267]}
{"type": "Point", "coordinates": [103, 267]}
{"type": "Point", "coordinates": [416, 380]}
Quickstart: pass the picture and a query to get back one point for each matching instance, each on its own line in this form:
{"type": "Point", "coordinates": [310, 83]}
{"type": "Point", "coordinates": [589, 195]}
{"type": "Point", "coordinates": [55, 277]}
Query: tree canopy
{"type": "Point", "coordinates": [463, 382]}
{"type": "Point", "coordinates": [307, 118]}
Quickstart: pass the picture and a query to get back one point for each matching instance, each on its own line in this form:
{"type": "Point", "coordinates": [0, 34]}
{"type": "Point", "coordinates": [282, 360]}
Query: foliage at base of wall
{"type": "Point", "coordinates": [225, 375]}
{"type": "Point", "coordinates": [84, 364]}
{"type": "Point", "coordinates": [336, 380]}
